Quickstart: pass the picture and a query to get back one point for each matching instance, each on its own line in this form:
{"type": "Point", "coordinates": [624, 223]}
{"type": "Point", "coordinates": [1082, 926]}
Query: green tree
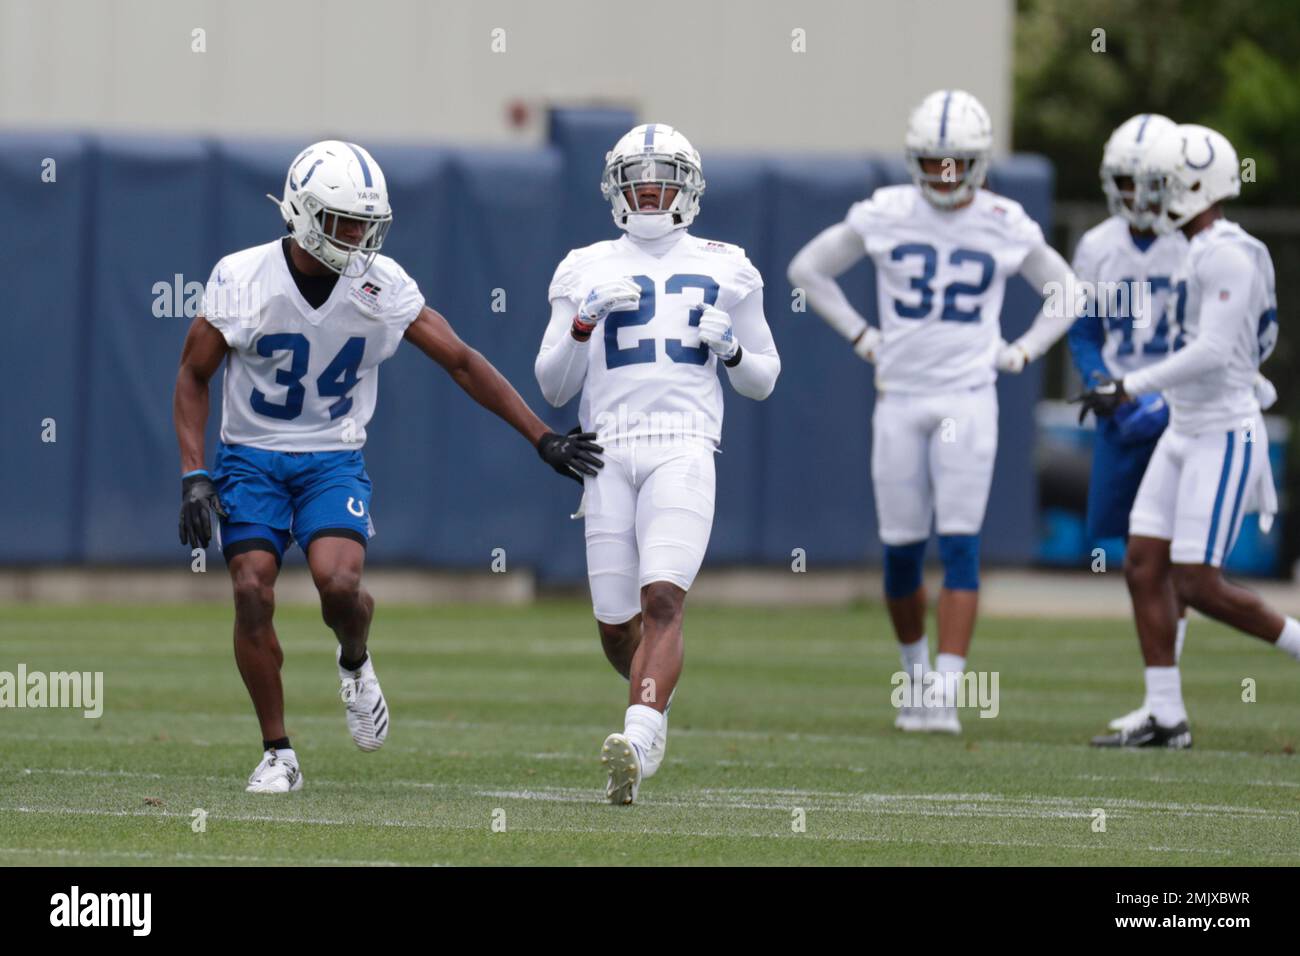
{"type": "Point", "coordinates": [1082, 68]}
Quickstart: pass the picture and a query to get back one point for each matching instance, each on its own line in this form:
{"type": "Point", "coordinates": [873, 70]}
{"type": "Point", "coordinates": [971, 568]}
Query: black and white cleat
{"type": "Point", "coordinates": [1149, 734]}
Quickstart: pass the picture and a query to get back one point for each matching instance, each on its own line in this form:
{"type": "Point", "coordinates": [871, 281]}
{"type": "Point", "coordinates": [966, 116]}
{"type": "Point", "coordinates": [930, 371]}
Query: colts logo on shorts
{"type": "Point", "coordinates": [360, 507]}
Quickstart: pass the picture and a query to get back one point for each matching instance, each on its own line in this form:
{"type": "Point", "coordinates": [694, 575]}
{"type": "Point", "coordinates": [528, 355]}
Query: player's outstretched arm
{"type": "Point", "coordinates": [743, 343]}
{"type": "Point", "coordinates": [201, 356]}
{"type": "Point", "coordinates": [570, 455]}
{"type": "Point", "coordinates": [814, 269]}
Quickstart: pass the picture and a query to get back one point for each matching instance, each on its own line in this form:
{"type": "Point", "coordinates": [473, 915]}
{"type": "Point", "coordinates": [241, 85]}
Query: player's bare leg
{"type": "Point", "coordinates": [907, 614]}
{"type": "Point", "coordinates": [1155, 602]}
{"type": "Point", "coordinates": [619, 642]}
{"type": "Point", "coordinates": [259, 658]}
{"type": "Point", "coordinates": [1203, 587]}
{"type": "Point", "coordinates": [958, 608]}
{"type": "Point", "coordinates": [336, 564]}
{"type": "Point", "coordinates": [657, 662]}
{"type": "Point", "coordinates": [905, 599]}
{"type": "Point", "coordinates": [655, 668]}
{"type": "Point", "coordinates": [957, 612]}
{"type": "Point", "coordinates": [257, 649]}
{"type": "Point", "coordinates": [956, 615]}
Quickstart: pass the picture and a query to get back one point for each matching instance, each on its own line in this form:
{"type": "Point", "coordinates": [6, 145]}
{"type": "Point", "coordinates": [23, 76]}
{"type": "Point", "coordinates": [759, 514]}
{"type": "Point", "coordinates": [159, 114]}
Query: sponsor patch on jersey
{"type": "Point", "coordinates": [367, 294]}
{"type": "Point", "coordinates": [1224, 295]}
{"type": "Point", "coordinates": [712, 246]}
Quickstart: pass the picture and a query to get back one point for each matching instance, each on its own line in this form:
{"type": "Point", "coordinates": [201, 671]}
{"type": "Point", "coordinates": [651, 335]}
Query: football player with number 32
{"type": "Point", "coordinates": [639, 325]}
{"type": "Point", "coordinates": [943, 248]}
{"type": "Point", "coordinates": [303, 323]}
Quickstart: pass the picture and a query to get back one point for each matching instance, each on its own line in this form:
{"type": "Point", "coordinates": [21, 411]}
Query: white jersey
{"type": "Point", "coordinates": [647, 372]}
{"type": "Point", "coordinates": [298, 378]}
{"type": "Point", "coordinates": [1230, 326]}
{"type": "Point", "coordinates": [940, 280]}
{"type": "Point", "coordinates": [1133, 286]}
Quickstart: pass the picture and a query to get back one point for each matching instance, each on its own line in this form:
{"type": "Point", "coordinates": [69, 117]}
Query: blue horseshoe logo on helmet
{"type": "Point", "coordinates": [1209, 159]}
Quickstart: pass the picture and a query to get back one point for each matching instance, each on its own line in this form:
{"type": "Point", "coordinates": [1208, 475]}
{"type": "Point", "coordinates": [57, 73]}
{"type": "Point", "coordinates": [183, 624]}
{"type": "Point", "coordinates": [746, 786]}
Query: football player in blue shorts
{"type": "Point", "coordinates": [304, 323]}
{"type": "Point", "coordinates": [1136, 319]}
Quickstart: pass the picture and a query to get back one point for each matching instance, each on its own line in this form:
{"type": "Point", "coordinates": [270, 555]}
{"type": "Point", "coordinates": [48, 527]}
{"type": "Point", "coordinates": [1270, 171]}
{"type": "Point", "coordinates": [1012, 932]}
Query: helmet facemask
{"type": "Point", "coordinates": [1155, 193]}
{"type": "Point", "coordinates": [1125, 202]}
{"type": "Point", "coordinates": [322, 241]}
{"type": "Point", "coordinates": [966, 182]}
{"type": "Point", "coordinates": [625, 175]}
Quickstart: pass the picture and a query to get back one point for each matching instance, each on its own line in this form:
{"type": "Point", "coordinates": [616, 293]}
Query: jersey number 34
{"type": "Point", "coordinates": [339, 377]}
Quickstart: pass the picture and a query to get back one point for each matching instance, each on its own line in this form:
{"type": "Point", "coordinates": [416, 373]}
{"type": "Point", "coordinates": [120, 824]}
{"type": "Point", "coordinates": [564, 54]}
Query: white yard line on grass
{"type": "Point", "coordinates": [724, 835]}
{"type": "Point", "coordinates": [724, 795]}
{"type": "Point", "coordinates": [203, 857]}
{"type": "Point", "coordinates": [951, 805]}
{"type": "Point", "coordinates": [599, 731]}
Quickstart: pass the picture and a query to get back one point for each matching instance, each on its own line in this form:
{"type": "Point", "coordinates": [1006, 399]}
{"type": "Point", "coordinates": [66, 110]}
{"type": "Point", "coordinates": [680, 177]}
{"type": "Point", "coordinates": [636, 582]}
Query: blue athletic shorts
{"type": "Point", "coordinates": [1117, 470]}
{"type": "Point", "coordinates": [278, 497]}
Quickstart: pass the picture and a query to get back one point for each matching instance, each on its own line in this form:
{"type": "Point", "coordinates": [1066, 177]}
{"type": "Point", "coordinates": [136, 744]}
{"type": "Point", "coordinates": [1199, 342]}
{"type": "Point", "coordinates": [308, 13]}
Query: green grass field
{"type": "Point", "coordinates": [505, 709]}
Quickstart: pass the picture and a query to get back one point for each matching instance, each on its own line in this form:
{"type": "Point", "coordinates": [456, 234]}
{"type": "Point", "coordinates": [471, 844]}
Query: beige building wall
{"type": "Point", "coordinates": [819, 75]}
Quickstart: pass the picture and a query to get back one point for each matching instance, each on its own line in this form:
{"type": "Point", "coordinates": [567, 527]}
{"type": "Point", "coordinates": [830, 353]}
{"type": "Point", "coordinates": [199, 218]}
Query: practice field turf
{"type": "Point", "coordinates": [499, 713]}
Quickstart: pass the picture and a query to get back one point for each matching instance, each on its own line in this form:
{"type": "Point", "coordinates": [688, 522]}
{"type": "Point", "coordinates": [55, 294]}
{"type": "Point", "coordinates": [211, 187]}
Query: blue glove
{"type": "Point", "coordinates": [1142, 420]}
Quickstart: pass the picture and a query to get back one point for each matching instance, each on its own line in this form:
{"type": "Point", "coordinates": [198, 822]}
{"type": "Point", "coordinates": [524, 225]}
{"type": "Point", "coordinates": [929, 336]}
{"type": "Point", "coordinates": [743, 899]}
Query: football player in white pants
{"type": "Point", "coordinates": [1210, 467]}
{"type": "Point", "coordinates": [303, 323]}
{"type": "Point", "coordinates": [1126, 330]}
{"type": "Point", "coordinates": [640, 325]}
{"type": "Point", "coordinates": [943, 249]}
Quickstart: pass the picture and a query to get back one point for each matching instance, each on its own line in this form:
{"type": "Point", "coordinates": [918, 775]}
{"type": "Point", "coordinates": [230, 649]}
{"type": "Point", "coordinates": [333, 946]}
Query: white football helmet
{"type": "Point", "coordinates": [949, 125]}
{"type": "Point", "coordinates": [332, 180]}
{"type": "Point", "coordinates": [653, 154]}
{"type": "Point", "coordinates": [1185, 172]}
{"type": "Point", "coordinates": [1120, 160]}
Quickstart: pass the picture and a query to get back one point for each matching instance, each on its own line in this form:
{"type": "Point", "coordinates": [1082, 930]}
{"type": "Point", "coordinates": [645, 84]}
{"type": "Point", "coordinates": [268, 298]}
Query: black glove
{"type": "Point", "coordinates": [1102, 399]}
{"type": "Point", "coordinates": [198, 494]}
{"type": "Point", "coordinates": [572, 455]}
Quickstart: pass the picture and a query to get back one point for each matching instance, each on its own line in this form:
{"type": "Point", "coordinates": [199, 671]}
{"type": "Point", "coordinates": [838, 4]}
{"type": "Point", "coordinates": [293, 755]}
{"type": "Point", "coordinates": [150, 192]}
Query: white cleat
{"type": "Point", "coordinates": [622, 760]}
{"type": "Point", "coordinates": [367, 711]}
{"type": "Point", "coordinates": [1132, 721]}
{"type": "Point", "coordinates": [942, 720]}
{"type": "Point", "coordinates": [911, 719]}
{"type": "Point", "coordinates": [275, 774]}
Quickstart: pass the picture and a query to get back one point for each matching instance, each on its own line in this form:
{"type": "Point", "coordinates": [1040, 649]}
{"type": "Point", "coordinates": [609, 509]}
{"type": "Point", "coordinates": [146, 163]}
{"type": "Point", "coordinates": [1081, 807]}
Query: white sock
{"type": "Point", "coordinates": [950, 666]}
{"type": "Point", "coordinates": [1289, 639]}
{"type": "Point", "coordinates": [916, 658]}
{"type": "Point", "coordinates": [641, 724]}
{"type": "Point", "coordinates": [1165, 693]}
{"type": "Point", "coordinates": [287, 755]}
{"type": "Point", "coordinates": [1179, 639]}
